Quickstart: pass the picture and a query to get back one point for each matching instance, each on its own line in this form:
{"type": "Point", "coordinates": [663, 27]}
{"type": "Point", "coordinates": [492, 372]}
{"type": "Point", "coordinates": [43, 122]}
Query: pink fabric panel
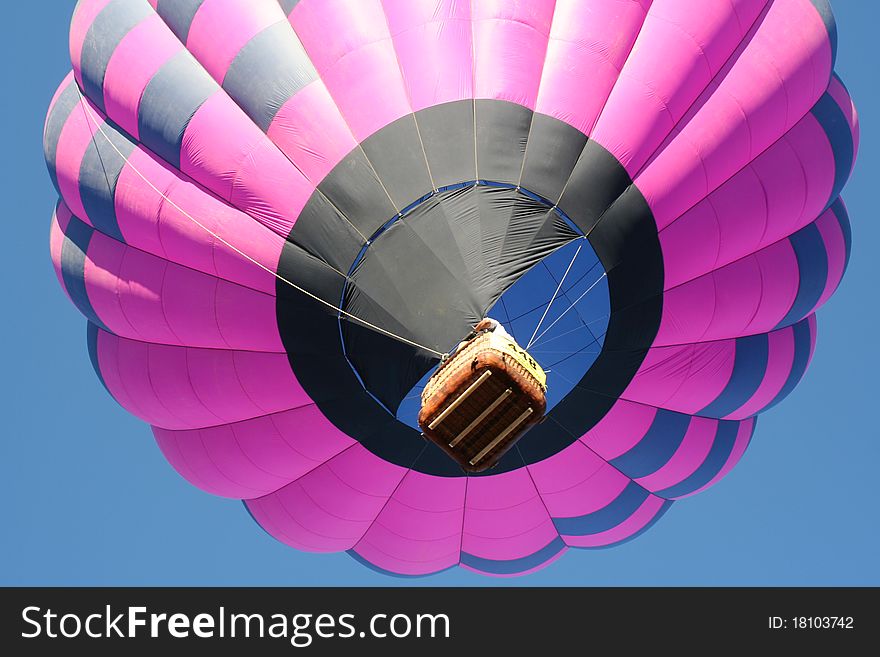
{"type": "Point", "coordinates": [595, 491]}
{"type": "Point", "coordinates": [749, 296]}
{"type": "Point", "coordinates": [835, 247]}
{"type": "Point", "coordinates": [797, 175]}
{"type": "Point", "coordinates": [680, 49]}
{"type": "Point", "coordinates": [350, 47]}
{"type": "Point", "coordinates": [780, 280]}
{"type": "Point", "coordinates": [331, 29]}
{"type": "Point", "coordinates": [643, 515]}
{"type": "Point", "coordinates": [246, 320]}
{"type": "Point", "coordinates": [125, 306]}
{"type": "Point", "coordinates": [137, 58]}
{"type": "Point", "coordinates": [84, 15]}
{"type": "Point", "coordinates": [75, 138]}
{"type": "Point", "coordinates": [505, 518]}
{"type": "Point", "coordinates": [560, 478]}
{"type": "Point", "coordinates": [775, 81]}
{"type": "Point", "coordinates": [743, 437]}
{"type": "Point", "coordinates": [359, 78]}
{"type": "Point", "coordinates": [754, 294]}
{"type": "Point", "coordinates": [687, 312]}
{"type": "Point", "coordinates": [151, 223]}
{"type": "Point", "coordinates": [620, 430]}
{"type": "Point", "coordinates": [144, 297]}
{"type": "Point", "coordinates": [433, 41]}
{"type": "Point", "coordinates": [121, 364]}
{"type": "Point", "coordinates": [768, 200]}
{"type": "Point", "coordinates": [153, 3]}
{"type": "Point", "coordinates": [216, 463]}
{"type": "Point", "coordinates": [244, 168]}
{"type": "Point", "coordinates": [683, 378]}
{"type": "Point", "coordinates": [63, 215]}
{"type": "Point", "coordinates": [780, 358]}
{"type": "Point", "coordinates": [255, 457]}
{"type": "Point", "coordinates": [701, 227]}
{"type": "Point", "coordinates": [419, 530]}
{"type": "Point", "coordinates": [66, 82]}
{"type": "Point", "coordinates": [201, 310]}
{"type": "Point", "coordinates": [842, 98]}
{"type": "Point", "coordinates": [405, 14]}
{"type": "Point", "coordinates": [331, 508]}
{"type": "Point", "coordinates": [221, 28]}
{"type": "Point", "coordinates": [537, 15]}
{"type": "Point", "coordinates": [189, 388]}
{"type": "Point", "coordinates": [510, 45]}
{"type": "Point", "coordinates": [773, 197]}
{"type": "Point", "coordinates": [738, 294]}
{"type": "Point", "coordinates": [687, 458]}
{"type": "Point", "coordinates": [311, 132]}
{"type": "Point", "coordinates": [589, 43]}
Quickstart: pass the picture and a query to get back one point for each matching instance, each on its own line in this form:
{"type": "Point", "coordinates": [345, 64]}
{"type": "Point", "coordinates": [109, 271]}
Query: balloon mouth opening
{"type": "Point", "coordinates": [570, 346]}
{"type": "Point", "coordinates": [558, 309]}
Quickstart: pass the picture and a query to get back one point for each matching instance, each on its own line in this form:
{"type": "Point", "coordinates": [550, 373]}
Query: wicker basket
{"type": "Point", "coordinates": [482, 400]}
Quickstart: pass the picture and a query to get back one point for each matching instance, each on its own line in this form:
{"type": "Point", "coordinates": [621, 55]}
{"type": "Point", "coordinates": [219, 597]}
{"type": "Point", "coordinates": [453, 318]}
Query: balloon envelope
{"type": "Point", "coordinates": [275, 214]}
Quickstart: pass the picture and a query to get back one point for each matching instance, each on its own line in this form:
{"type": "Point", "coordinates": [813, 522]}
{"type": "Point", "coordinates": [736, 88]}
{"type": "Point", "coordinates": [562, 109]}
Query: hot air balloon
{"type": "Point", "coordinates": [278, 215]}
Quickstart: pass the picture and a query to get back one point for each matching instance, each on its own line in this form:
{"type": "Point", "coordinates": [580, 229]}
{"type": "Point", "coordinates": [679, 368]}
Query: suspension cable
{"type": "Point", "coordinates": [555, 294]}
{"type": "Point", "coordinates": [576, 301]}
{"type": "Point", "coordinates": [90, 115]}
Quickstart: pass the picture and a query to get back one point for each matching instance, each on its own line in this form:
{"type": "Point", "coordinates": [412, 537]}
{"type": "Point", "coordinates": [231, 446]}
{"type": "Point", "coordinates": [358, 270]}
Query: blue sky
{"type": "Point", "coordinates": [90, 500]}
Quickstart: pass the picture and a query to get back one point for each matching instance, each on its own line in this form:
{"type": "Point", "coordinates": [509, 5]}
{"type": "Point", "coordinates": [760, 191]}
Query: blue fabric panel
{"type": "Point", "coordinates": [514, 566]}
{"type": "Point", "coordinates": [812, 259]}
{"type": "Point", "coordinates": [608, 517]}
{"type": "Point", "coordinates": [749, 368]}
{"type": "Point", "coordinates": [722, 448]}
{"type": "Point", "coordinates": [169, 102]}
{"type": "Point", "coordinates": [651, 453]}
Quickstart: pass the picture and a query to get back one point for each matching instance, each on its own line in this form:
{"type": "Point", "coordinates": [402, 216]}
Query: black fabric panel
{"type": "Point", "coordinates": [406, 443]}
{"type": "Point", "coordinates": [267, 72]}
{"type": "Point", "coordinates": [323, 231]}
{"type": "Point", "coordinates": [627, 244]}
{"type": "Point", "coordinates": [374, 356]}
{"type": "Point", "coordinates": [502, 134]}
{"type": "Point", "coordinates": [355, 190]}
{"type": "Point", "coordinates": [178, 15]}
{"type": "Point", "coordinates": [435, 460]}
{"type": "Point", "coordinates": [168, 104]}
{"type": "Point", "coordinates": [310, 333]}
{"type": "Point", "coordinates": [597, 181]}
{"type": "Point", "coordinates": [545, 439]}
{"type": "Point", "coordinates": [396, 154]}
{"type": "Point", "coordinates": [313, 276]}
{"type": "Point", "coordinates": [98, 176]}
{"type": "Point", "coordinates": [433, 275]}
{"type": "Point", "coordinates": [74, 248]}
{"type": "Point", "coordinates": [532, 232]}
{"type": "Point", "coordinates": [403, 285]}
{"type": "Point", "coordinates": [553, 151]}
{"type": "Point", "coordinates": [92, 343]}
{"type": "Point", "coordinates": [448, 135]}
{"type": "Point", "coordinates": [61, 110]}
{"type": "Point", "coordinates": [110, 26]}
{"type": "Point", "coordinates": [288, 5]}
